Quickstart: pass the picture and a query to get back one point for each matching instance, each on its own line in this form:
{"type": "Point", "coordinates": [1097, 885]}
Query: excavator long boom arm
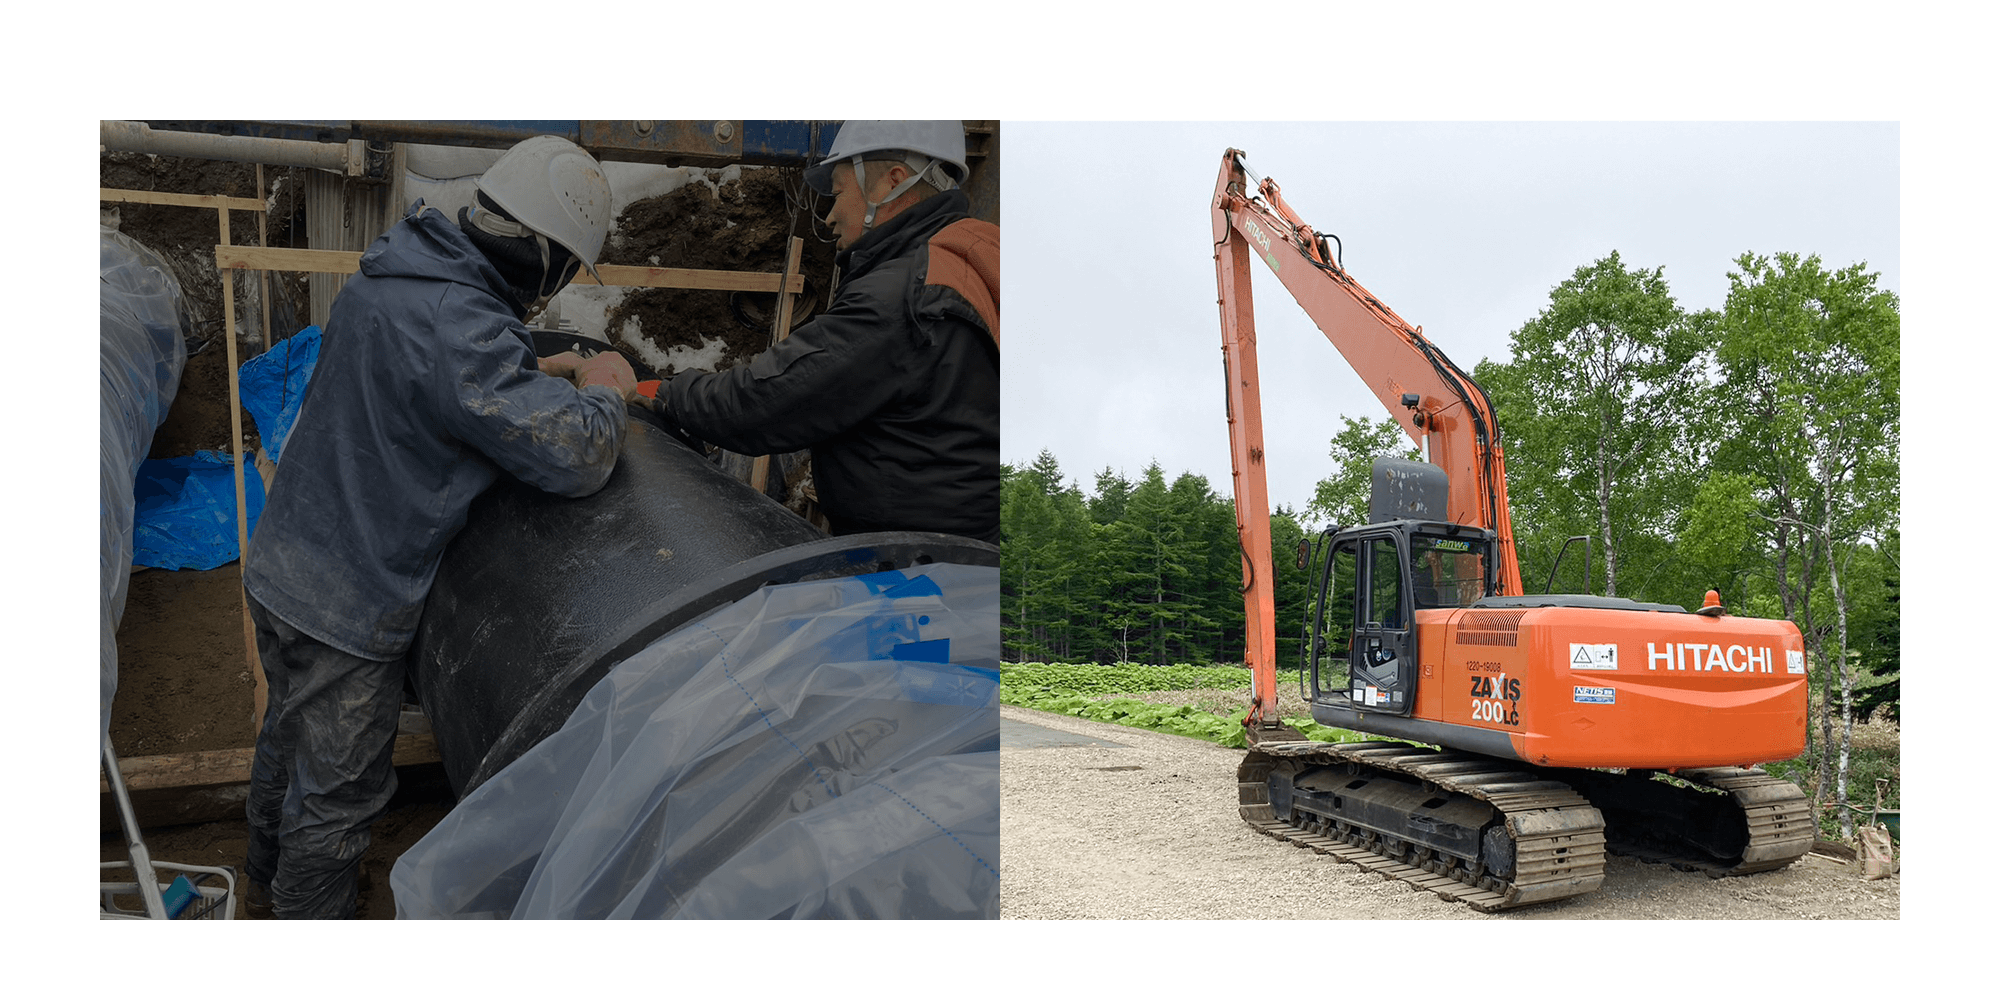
{"type": "Point", "coordinates": [1432, 399]}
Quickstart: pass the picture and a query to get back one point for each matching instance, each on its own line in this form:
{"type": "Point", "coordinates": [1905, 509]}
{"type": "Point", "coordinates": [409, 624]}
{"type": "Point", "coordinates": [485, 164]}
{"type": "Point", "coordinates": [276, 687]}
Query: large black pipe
{"type": "Point", "coordinates": [539, 596]}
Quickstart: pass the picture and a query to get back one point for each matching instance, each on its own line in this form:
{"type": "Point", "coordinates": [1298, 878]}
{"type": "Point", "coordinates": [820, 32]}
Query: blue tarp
{"type": "Point", "coordinates": [185, 514]}
{"type": "Point", "coordinates": [272, 383]}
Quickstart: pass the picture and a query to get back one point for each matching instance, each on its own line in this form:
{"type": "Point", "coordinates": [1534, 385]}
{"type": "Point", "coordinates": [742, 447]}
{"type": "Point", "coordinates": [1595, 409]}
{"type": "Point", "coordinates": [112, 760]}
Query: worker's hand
{"type": "Point", "coordinates": [561, 365]}
{"type": "Point", "coordinates": [608, 368]}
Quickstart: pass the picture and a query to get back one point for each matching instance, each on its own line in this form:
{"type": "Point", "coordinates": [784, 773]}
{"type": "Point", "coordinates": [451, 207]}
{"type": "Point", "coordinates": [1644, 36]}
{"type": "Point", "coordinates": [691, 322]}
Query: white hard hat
{"type": "Point", "coordinates": [553, 188]}
{"type": "Point", "coordinates": [935, 143]}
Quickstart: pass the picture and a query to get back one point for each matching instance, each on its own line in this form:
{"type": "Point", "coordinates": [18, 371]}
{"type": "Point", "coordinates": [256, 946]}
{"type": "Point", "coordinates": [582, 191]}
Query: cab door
{"type": "Point", "coordinates": [1382, 668]}
{"type": "Point", "coordinates": [1363, 626]}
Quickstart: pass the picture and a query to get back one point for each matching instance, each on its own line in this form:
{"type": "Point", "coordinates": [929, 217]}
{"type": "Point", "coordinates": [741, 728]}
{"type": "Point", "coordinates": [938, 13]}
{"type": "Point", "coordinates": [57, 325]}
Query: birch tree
{"type": "Point", "coordinates": [1597, 402]}
{"type": "Point", "coordinates": [1811, 358]}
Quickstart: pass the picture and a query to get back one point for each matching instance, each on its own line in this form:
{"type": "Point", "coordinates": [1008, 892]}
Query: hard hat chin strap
{"type": "Point", "coordinates": [489, 222]}
{"type": "Point", "coordinates": [515, 231]}
{"type": "Point", "coordinates": [861, 185]}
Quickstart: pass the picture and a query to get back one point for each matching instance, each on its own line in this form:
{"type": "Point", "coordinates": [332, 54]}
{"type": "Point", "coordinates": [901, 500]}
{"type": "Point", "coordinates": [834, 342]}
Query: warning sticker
{"type": "Point", "coordinates": [1593, 656]}
{"type": "Point", "coordinates": [1795, 662]}
{"type": "Point", "coordinates": [1596, 696]}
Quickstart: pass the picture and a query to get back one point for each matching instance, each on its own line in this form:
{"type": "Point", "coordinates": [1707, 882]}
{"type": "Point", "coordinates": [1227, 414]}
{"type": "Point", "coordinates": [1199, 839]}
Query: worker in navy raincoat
{"type": "Point", "coordinates": [895, 388]}
{"type": "Point", "coordinates": [426, 393]}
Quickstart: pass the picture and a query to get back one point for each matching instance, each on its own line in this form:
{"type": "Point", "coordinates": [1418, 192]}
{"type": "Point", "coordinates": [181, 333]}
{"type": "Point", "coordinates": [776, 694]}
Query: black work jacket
{"type": "Point", "coordinates": [895, 389]}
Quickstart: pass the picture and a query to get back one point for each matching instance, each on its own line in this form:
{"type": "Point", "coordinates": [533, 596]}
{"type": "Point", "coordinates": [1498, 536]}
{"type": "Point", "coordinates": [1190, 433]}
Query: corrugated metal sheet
{"type": "Point", "coordinates": [343, 213]}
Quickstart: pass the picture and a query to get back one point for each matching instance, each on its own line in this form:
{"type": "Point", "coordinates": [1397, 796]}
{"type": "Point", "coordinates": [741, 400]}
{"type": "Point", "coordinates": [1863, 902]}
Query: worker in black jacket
{"type": "Point", "coordinates": [896, 387]}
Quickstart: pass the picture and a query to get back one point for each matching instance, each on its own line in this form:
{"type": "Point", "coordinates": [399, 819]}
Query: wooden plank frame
{"type": "Point", "coordinates": [615, 275]}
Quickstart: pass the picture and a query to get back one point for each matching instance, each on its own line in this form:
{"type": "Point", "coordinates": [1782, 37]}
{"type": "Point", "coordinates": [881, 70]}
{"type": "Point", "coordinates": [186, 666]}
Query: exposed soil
{"type": "Point", "coordinates": [742, 224]}
{"type": "Point", "coordinates": [186, 237]}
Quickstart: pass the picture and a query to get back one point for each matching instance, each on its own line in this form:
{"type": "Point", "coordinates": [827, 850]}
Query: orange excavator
{"type": "Point", "coordinates": [1526, 734]}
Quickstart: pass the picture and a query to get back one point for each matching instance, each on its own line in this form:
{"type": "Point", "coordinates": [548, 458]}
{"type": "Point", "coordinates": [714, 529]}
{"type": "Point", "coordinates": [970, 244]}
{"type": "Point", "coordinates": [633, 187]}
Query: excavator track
{"type": "Point", "coordinates": [1556, 836]}
{"type": "Point", "coordinates": [1721, 821]}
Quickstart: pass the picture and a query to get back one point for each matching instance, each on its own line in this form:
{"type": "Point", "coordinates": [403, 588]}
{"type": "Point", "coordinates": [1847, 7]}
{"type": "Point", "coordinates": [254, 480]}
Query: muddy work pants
{"type": "Point", "coordinates": [322, 771]}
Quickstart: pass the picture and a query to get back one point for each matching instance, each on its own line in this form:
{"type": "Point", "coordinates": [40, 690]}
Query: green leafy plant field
{"type": "Point", "coordinates": [1104, 693]}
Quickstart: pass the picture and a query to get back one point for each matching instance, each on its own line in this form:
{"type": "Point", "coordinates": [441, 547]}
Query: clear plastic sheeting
{"type": "Point", "coordinates": [820, 749]}
{"type": "Point", "coordinates": [142, 325]}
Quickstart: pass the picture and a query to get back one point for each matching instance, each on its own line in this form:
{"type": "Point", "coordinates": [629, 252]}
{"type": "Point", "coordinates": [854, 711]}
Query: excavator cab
{"type": "Point", "coordinates": [1371, 586]}
{"type": "Point", "coordinates": [1371, 582]}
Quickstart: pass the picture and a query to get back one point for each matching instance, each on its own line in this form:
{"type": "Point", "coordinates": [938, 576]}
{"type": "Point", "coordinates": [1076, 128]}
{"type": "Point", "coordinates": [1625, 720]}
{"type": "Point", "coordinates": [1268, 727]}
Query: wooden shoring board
{"type": "Point", "coordinates": [687, 277]}
{"type": "Point", "coordinates": [184, 200]}
{"type": "Point", "coordinates": [616, 275]}
{"type": "Point", "coordinates": [215, 785]}
{"type": "Point", "coordinates": [260, 689]}
{"type": "Point", "coordinates": [204, 768]}
{"type": "Point", "coordinates": [781, 327]}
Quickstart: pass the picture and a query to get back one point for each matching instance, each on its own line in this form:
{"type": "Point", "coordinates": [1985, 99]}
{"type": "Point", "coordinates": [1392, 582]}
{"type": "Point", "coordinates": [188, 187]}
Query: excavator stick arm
{"type": "Point", "coordinates": [1244, 409]}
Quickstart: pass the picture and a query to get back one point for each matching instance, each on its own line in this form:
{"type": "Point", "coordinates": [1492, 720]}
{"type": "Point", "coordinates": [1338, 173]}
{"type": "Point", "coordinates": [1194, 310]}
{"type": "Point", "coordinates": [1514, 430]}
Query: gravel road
{"type": "Point", "coordinates": [1102, 822]}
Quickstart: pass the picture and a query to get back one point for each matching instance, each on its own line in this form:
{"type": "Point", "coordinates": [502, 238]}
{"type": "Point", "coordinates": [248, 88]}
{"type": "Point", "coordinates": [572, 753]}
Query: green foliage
{"type": "Point", "coordinates": [1104, 693]}
{"type": "Point", "coordinates": [1864, 767]}
{"type": "Point", "coordinates": [1290, 596]}
{"type": "Point", "coordinates": [1142, 570]}
{"type": "Point", "coordinates": [1719, 533]}
{"type": "Point", "coordinates": [1593, 409]}
{"type": "Point", "coordinates": [1045, 546]}
{"type": "Point", "coordinates": [1878, 635]}
{"type": "Point", "coordinates": [1117, 678]}
{"type": "Point", "coordinates": [1810, 362]}
{"type": "Point", "coordinates": [1342, 498]}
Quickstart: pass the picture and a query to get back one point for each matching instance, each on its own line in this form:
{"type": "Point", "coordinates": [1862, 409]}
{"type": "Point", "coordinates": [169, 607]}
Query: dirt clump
{"type": "Point", "coordinates": [742, 223]}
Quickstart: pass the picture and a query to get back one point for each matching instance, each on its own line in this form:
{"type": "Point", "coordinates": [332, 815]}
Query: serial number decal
{"type": "Point", "coordinates": [1596, 695]}
{"type": "Point", "coordinates": [1488, 666]}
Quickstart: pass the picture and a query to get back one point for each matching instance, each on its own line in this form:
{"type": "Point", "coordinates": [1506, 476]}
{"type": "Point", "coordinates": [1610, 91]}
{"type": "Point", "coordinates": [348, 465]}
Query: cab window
{"type": "Point", "coordinates": [1447, 572]}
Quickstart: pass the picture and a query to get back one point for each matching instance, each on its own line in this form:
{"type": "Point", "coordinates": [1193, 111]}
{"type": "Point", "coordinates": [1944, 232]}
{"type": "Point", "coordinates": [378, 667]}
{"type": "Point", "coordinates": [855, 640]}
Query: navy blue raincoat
{"type": "Point", "coordinates": [425, 394]}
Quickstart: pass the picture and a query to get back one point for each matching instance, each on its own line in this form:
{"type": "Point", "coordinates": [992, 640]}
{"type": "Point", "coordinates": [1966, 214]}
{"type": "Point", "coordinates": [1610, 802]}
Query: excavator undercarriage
{"type": "Point", "coordinates": [1498, 834]}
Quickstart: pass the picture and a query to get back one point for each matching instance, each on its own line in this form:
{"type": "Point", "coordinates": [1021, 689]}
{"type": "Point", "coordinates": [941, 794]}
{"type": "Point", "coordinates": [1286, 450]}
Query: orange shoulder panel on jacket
{"type": "Point", "coordinates": [965, 256]}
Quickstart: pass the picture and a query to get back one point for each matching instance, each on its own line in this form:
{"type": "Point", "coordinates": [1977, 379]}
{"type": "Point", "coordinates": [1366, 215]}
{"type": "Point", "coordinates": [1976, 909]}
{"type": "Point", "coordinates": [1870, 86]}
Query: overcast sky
{"type": "Point", "coordinates": [1113, 343]}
